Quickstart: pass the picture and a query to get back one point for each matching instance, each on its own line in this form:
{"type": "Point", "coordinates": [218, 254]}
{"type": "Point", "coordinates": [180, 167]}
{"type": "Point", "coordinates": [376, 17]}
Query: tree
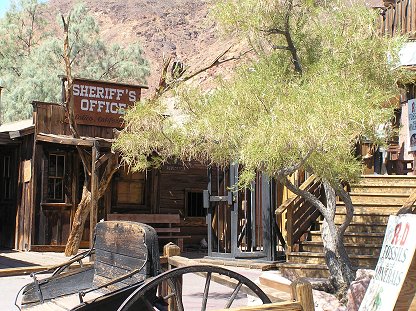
{"type": "Point", "coordinates": [316, 87]}
{"type": "Point", "coordinates": [31, 57]}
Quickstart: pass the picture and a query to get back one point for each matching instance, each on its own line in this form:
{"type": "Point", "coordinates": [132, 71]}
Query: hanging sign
{"type": "Point", "coordinates": [102, 103]}
{"type": "Point", "coordinates": [411, 106]}
{"type": "Point", "coordinates": [393, 264]}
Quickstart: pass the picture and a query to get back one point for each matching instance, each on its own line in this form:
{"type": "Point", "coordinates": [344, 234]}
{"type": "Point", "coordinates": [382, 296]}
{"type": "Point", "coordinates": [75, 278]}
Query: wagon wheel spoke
{"type": "Point", "coordinates": [177, 288]}
{"type": "Point", "coordinates": [149, 306]}
{"type": "Point", "coordinates": [206, 290]}
{"type": "Point", "coordinates": [174, 280]}
{"type": "Point", "coordinates": [233, 295]}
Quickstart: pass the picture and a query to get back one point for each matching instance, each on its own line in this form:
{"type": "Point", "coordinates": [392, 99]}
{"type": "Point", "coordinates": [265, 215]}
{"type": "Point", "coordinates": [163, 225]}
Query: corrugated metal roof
{"type": "Point", "coordinates": [16, 126]}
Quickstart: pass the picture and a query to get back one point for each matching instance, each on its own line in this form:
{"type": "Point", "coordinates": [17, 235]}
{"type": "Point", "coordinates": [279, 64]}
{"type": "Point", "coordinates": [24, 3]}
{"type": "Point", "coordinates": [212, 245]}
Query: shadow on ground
{"type": "Point", "coordinates": [6, 262]}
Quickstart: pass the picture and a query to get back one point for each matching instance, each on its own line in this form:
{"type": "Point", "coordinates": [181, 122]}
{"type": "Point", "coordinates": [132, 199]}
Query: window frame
{"type": "Point", "coordinates": [56, 177]}
{"type": "Point", "coordinates": [187, 207]}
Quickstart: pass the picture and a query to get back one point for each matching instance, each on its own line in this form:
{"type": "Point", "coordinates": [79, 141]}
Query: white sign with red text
{"type": "Point", "coordinates": [395, 258]}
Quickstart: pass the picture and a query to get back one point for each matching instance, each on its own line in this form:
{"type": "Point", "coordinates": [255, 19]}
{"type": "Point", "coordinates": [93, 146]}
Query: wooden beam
{"type": "Point", "coordinates": [94, 192]}
{"type": "Point", "coordinates": [147, 218]}
{"type": "Point", "coordinates": [101, 160]}
{"type": "Point", "coordinates": [64, 140]}
{"type": "Point", "coordinates": [277, 306]}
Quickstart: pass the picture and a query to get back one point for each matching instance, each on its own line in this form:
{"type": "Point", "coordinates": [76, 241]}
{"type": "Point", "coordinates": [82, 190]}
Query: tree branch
{"type": "Point", "coordinates": [307, 196]}
{"type": "Point", "coordinates": [69, 103]}
{"type": "Point", "coordinates": [290, 44]}
{"type": "Point", "coordinates": [164, 85]}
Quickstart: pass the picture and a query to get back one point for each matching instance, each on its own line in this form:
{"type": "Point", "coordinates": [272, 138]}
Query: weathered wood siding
{"type": "Point", "coordinates": [50, 119]}
{"type": "Point", "coordinates": [24, 219]}
{"type": "Point", "coordinates": [174, 182]}
{"type": "Point", "coordinates": [399, 18]}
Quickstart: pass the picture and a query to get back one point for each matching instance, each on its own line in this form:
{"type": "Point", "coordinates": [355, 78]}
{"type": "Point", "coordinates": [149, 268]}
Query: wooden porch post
{"type": "Point", "coordinates": [94, 193]}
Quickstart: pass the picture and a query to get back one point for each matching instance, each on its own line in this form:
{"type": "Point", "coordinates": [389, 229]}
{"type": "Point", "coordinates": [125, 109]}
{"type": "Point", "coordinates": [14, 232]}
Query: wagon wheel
{"type": "Point", "coordinates": [145, 294]}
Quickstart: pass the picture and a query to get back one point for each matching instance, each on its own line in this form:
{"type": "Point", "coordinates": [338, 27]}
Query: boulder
{"type": "Point", "coordinates": [358, 288]}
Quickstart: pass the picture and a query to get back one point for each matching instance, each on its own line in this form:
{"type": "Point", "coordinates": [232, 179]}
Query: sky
{"type": "Point", "coordinates": [5, 5]}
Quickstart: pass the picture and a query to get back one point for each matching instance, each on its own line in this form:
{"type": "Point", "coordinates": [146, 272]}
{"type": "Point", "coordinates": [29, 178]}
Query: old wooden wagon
{"type": "Point", "coordinates": [126, 275]}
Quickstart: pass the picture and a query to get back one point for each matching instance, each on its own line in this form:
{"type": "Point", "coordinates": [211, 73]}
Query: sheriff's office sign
{"type": "Point", "coordinates": [411, 109]}
{"type": "Point", "coordinates": [102, 103]}
{"type": "Point", "coordinates": [393, 264]}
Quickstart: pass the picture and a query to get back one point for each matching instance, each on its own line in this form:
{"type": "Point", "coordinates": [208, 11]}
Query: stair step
{"type": "Point", "coordinates": [399, 189]}
{"type": "Point", "coordinates": [378, 198]}
{"type": "Point", "coordinates": [354, 237]}
{"type": "Point", "coordinates": [352, 248]}
{"type": "Point", "coordinates": [296, 270]}
{"type": "Point", "coordinates": [319, 258]}
{"type": "Point", "coordinates": [363, 227]}
{"type": "Point", "coordinates": [377, 212]}
{"type": "Point", "coordinates": [388, 180]}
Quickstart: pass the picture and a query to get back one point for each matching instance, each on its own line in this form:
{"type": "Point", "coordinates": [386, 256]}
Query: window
{"type": "Point", "coordinates": [130, 187]}
{"type": "Point", "coordinates": [56, 175]}
{"type": "Point", "coordinates": [7, 179]}
{"type": "Point", "coordinates": [194, 204]}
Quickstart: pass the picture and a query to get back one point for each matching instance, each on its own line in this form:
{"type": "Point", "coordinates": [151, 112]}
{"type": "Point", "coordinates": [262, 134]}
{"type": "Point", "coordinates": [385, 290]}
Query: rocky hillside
{"type": "Point", "coordinates": [182, 28]}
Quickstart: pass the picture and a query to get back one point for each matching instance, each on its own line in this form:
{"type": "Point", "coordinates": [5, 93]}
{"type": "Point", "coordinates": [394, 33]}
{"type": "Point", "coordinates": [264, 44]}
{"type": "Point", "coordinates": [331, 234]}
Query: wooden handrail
{"type": "Point", "coordinates": [300, 214]}
{"type": "Point", "coordinates": [291, 201]}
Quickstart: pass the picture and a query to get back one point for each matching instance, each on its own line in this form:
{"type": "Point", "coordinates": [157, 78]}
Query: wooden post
{"type": "Point", "coordinates": [302, 293]}
{"type": "Point", "coordinates": [94, 193]}
{"type": "Point", "coordinates": [170, 250]}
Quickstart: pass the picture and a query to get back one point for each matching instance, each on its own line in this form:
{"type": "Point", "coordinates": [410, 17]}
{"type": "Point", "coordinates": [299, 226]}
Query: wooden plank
{"type": "Point", "coordinates": [408, 291]}
{"type": "Point", "coordinates": [105, 273]}
{"type": "Point", "coordinates": [121, 238]}
{"type": "Point", "coordinates": [120, 260]}
{"type": "Point", "coordinates": [168, 230]}
{"type": "Point", "coordinates": [147, 218]}
{"type": "Point", "coordinates": [276, 283]}
{"type": "Point", "coordinates": [277, 306]}
{"type": "Point", "coordinates": [63, 140]}
{"type": "Point", "coordinates": [32, 269]}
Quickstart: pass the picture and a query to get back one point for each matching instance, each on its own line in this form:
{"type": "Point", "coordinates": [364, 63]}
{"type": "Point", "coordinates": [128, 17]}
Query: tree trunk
{"type": "Point", "coordinates": [84, 206]}
{"type": "Point", "coordinates": [336, 257]}
{"type": "Point", "coordinates": [77, 228]}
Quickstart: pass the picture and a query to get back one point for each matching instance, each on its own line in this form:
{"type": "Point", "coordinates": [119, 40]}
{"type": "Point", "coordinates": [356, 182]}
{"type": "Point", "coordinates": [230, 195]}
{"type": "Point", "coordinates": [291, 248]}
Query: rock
{"type": "Point", "coordinates": [364, 273]}
{"type": "Point", "coordinates": [326, 302]}
{"type": "Point", "coordinates": [358, 288]}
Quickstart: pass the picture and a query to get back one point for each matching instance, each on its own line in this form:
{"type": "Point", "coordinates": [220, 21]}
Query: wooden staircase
{"type": "Point", "coordinates": [375, 197]}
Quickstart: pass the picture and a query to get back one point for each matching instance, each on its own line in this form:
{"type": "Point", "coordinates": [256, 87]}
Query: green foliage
{"type": "Point", "coordinates": [270, 117]}
{"type": "Point", "coordinates": [31, 60]}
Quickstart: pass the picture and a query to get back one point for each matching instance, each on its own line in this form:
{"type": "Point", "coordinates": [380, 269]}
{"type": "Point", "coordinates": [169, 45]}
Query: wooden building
{"type": "Point", "coordinates": [41, 174]}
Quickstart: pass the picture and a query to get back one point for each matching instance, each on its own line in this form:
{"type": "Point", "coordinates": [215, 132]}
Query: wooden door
{"type": "Point", "coordinates": [8, 196]}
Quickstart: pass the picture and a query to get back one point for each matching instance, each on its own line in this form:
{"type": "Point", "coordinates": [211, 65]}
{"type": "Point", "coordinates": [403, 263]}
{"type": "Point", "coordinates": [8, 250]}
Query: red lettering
{"type": "Point", "coordinates": [396, 234]}
{"type": "Point", "coordinates": [406, 232]}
